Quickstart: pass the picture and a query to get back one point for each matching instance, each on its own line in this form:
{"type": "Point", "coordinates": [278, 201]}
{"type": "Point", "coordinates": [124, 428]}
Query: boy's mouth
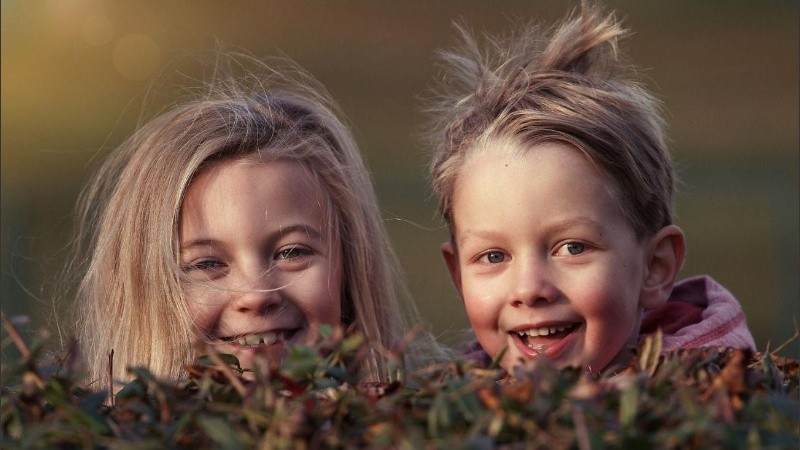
{"type": "Point", "coordinates": [539, 339]}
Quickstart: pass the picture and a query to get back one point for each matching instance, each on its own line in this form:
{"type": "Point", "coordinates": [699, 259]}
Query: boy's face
{"type": "Point", "coordinates": [543, 258]}
{"type": "Point", "coordinates": [256, 245]}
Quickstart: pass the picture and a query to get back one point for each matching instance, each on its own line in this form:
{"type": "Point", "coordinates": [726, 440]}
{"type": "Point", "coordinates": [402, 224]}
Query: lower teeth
{"type": "Point", "coordinates": [538, 348]}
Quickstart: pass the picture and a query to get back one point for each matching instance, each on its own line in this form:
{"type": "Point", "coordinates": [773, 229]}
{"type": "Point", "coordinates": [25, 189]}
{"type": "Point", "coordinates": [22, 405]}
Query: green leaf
{"type": "Point", "coordinates": [228, 359]}
{"type": "Point", "coordinates": [628, 406]}
{"type": "Point", "coordinates": [220, 432]}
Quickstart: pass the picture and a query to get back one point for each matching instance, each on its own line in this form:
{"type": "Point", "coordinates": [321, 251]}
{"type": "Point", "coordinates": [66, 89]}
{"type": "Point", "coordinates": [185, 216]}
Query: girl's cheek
{"type": "Point", "coordinates": [202, 308]}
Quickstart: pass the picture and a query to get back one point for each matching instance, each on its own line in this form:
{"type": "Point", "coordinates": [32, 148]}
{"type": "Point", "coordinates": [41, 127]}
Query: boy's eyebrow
{"type": "Point", "coordinates": [577, 221]}
{"type": "Point", "coordinates": [282, 231]}
{"type": "Point", "coordinates": [560, 225]}
{"type": "Point", "coordinates": [481, 234]}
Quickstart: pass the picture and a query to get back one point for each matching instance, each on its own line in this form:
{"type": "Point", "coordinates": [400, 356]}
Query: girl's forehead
{"type": "Point", "coordinates": [256, 165]}
{"type": "Point", "coordinates": [279, 178]}
{"type": "Point", "coordinates": [261, 196]}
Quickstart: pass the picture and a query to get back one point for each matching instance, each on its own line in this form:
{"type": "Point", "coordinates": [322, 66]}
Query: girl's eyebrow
{"type": "Point", "coordinates": [309, 230]}
{"type": "Point", "coordinates": [201, 242]}
{"type": "Point", "coordinates": [306, 229]}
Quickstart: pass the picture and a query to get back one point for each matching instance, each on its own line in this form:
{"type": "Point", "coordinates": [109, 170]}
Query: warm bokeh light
{"type": "Point", "coordinates": [136, 56]}
{"type": "Point", "coordinates": [98, 30]}
{"type": "Point", "coordinates": [77, 74]}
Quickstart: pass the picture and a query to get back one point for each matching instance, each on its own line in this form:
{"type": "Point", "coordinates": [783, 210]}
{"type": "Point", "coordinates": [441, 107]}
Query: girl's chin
{"type": "Point", "coordinates": [247, 354]}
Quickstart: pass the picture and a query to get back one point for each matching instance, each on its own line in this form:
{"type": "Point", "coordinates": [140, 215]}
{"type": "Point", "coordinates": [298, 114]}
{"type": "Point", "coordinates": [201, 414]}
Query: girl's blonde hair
{"type": "Point", "coordinates": [130, 298]}
{"type": "Point", "coordinates": [570, 85]}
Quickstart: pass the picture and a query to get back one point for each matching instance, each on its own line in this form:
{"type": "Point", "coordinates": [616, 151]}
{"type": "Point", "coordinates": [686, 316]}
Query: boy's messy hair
{"type": "Point", "coordinates": [130, 296]}
{"type": "Point", "coordinates": [568, 84]}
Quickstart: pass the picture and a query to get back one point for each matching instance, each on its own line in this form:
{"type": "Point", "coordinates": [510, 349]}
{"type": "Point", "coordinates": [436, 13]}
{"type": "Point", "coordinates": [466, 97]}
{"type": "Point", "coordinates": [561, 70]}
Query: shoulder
{"type": "Point", "coordinates": [701, 291]}
{"type": "Point", "coordinates": [700, 313]}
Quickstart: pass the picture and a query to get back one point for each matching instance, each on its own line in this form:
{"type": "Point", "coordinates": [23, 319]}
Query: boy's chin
{"type": "Point", "coordinates": [620, 362]}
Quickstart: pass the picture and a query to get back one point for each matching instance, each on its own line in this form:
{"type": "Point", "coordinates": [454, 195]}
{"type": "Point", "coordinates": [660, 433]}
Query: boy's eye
{"type": "Point", "coordinates": [571, 248]}
{"type": "Point", "coordinates": [494, 257]}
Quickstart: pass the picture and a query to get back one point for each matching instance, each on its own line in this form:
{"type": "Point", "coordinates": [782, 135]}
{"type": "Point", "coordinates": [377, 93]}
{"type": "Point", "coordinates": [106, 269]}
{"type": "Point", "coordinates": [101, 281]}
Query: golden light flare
{"type": "Point", "coordinates": [136, 56]}
{"type": "Point", "coordinates": [97, 30]}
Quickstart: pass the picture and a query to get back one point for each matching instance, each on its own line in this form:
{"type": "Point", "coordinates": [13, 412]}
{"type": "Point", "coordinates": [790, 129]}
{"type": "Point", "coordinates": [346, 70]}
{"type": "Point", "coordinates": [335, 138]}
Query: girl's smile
{"type": "Point", "coordinates": [265, 338]}
{"type": "Point", "coordinates": [260, 266]}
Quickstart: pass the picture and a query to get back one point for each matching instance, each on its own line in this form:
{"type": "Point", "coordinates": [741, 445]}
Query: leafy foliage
{"type": "Point", "coordinates": [704, 398]}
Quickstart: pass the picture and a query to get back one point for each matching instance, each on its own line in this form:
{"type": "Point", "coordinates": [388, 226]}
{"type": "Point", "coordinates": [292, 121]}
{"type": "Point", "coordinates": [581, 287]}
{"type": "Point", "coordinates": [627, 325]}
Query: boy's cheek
{"type": "Point", "coordinates": [475, 311]}
{"type": "Point", "coordinates": [482, 312]}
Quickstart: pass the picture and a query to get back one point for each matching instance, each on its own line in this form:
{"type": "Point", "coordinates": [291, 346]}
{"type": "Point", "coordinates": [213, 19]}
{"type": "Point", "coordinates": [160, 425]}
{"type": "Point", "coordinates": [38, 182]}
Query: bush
{"type": "Point", "coordinates": [703, 398]}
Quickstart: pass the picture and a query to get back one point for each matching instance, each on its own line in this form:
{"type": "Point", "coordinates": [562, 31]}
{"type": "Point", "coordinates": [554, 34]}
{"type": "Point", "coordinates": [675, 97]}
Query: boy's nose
{"type": "Point", "coordinates": [532, 284]}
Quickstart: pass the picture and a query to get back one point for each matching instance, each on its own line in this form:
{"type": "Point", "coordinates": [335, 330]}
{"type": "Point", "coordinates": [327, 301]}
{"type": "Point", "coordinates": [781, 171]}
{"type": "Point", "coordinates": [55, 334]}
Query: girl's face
{"type": "Point", "coordinates": [257, 246]}
{"type": "Point", "coordinates": [544, 260]}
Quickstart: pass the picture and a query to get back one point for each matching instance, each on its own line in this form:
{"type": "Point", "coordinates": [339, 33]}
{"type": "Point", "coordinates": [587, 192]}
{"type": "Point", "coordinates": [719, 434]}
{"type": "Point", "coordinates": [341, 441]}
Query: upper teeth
{"type": "Point", "coordinates": [270, 337]}
{"type": "Point", "coordinates": [543, 331]}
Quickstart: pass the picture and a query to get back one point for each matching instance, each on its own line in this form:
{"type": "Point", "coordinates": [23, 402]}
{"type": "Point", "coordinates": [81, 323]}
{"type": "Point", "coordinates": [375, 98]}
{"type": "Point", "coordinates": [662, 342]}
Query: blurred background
{"type": "Point", "coordinates": [76, 75]}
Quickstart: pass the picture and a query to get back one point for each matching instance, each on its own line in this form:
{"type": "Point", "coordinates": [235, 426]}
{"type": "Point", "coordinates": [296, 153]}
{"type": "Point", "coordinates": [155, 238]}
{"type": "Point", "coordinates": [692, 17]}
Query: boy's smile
{"type": "Point", "coordinates": [544, 260]}
{"type": "Point", "coordinates": [548, 340]}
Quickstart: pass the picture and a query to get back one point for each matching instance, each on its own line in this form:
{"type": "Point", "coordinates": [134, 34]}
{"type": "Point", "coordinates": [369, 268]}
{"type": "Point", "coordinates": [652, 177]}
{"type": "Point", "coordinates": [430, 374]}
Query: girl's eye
{"type": "Point", "coordinates": [571, 248]}
{"type": "Point", "coordinates": [292, 252]}
{"type": "Point", "coordinates": [494, 257]}
{"type": "Point", "coordinates": [205, 265]}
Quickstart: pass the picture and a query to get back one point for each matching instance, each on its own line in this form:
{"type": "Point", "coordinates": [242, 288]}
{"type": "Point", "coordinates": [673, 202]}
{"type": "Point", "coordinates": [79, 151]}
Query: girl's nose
{"type": "Point", "coordinates": [259, 295]}
{"type": "Point", "coordinates": [532, 284]}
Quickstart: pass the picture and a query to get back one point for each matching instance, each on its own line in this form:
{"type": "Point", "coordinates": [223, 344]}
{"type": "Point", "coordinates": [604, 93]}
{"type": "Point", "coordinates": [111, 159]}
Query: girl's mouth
{"type": "Point", "coordinates": [265, 338]}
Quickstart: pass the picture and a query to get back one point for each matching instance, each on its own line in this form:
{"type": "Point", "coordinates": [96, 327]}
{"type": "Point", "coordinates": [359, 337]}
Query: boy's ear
{"type": "Point", "coordinates": [665, 258]}
{"type": "Point", "coordinates": [450, 254]}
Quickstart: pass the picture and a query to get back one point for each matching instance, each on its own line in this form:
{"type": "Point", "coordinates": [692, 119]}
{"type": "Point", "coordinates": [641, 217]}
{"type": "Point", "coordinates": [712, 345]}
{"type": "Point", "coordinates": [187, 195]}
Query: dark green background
{"type": "Point", "coordinates": [726, 71]}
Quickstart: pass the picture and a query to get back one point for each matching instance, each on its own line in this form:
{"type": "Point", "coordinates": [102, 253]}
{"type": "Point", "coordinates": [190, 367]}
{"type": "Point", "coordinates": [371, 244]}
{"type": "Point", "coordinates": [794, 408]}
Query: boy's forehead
{"type": "Point", "coordinates": [513, 149]}
{"type": "Point", "coordinates": [498, 146]}
{"type": "Point", "coordinates": [500, 153]}
{"type": "Point", "coordinates": [497, 168]}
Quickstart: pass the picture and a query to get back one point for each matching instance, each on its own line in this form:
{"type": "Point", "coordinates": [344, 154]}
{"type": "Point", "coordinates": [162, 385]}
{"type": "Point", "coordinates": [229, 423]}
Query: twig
{"type": "Point", "coordinates": [15, 336]}
{"type": "Point", "coordinates": [67, 358]}
{"type": "Point", "coordinates": [788, 341]}
{"type": "Point", "coordinates": [226, 370]}
{"type": "Point", "coordinates": [111, 377]}
{"type": "Point", "coordinates": [581, 430]}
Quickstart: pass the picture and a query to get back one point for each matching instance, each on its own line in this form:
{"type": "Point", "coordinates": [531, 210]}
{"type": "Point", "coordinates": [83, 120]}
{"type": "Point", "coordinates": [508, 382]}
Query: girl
{"type": "Point", "coordinates": [244, 218]}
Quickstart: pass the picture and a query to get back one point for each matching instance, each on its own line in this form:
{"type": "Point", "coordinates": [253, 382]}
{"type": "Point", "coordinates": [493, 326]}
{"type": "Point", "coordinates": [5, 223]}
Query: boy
{"type": "Point", "coordinates": [554, 177]}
